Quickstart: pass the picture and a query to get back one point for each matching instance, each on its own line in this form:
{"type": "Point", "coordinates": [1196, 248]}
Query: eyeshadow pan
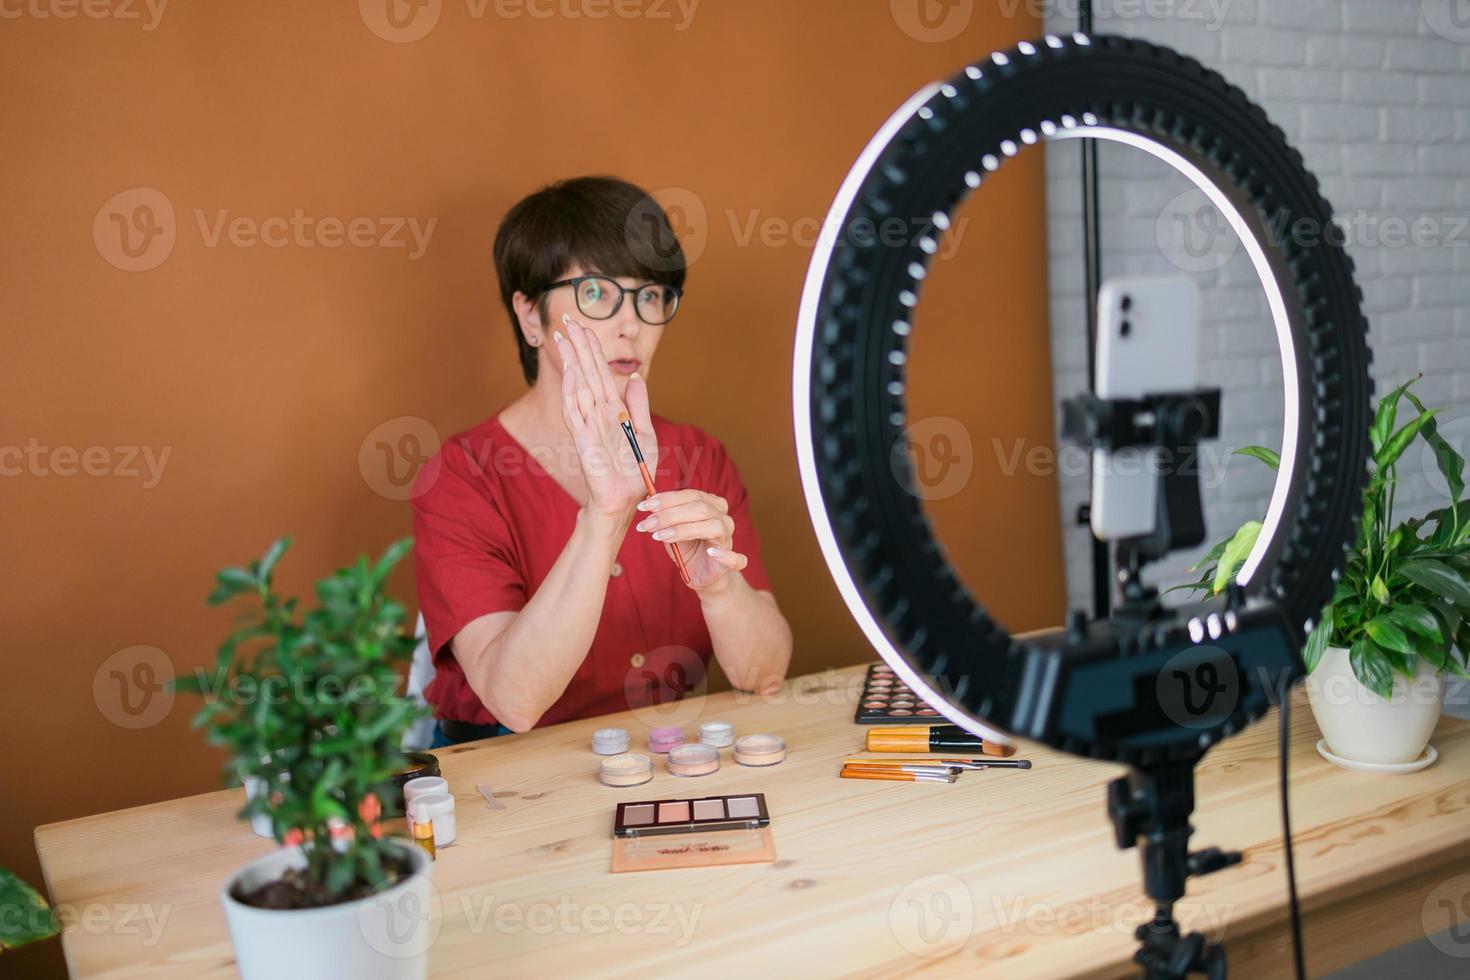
{"type": "Point", "coordinates": [673, 812]}
{"type": "Point", "coordinates": [709, 809]}
{"type": "Point", "coordinates": [744, 806]}
{"type": "Point", "coordinates": [638, 815]}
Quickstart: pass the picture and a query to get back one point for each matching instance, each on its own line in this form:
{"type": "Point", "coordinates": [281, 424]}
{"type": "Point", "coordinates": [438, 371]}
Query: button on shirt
{"type": "Point", "coordinates": [489, 522]}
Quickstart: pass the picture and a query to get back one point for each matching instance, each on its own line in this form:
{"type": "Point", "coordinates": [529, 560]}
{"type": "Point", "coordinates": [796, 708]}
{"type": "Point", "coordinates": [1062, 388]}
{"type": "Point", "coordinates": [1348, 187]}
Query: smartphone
{"type": "Point", "coordinates": [1147, 343]}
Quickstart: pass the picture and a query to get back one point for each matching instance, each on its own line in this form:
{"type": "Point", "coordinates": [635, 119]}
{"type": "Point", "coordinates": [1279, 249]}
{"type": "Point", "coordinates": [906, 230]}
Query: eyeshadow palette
{"type": "Point", "coordinates": [652, 835]}
{"type": "Point", "coordinates": [887, 700]}
{"type": "Point", "coordinates": [684, 816]}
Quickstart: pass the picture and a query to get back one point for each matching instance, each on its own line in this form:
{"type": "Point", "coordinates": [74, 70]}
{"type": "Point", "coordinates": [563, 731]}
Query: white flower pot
{"type": "Point", "coordinates": [1362, 727]}
{"type": "Point", "coordinates": [383, 937]}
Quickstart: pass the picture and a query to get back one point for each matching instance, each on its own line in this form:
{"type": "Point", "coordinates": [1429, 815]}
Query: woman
{"type": "Point", "coordinates": [540, 604]}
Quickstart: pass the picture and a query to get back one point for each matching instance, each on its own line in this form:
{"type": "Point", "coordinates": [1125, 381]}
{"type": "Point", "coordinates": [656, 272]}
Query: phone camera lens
{"type": "Point", "coordinates": [1127, 303]}
{"type": "Point", "coordinates": [1125, 328]}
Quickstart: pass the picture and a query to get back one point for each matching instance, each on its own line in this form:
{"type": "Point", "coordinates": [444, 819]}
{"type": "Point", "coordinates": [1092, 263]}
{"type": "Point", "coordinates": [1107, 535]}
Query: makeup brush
{"type": "Point", "coordinates": [897, 775]}
{"type": "Point", "coordinates": [950, 763]}
{"type": "Point", "coordinates": [931, 738]}
{"type": "Point", "coordinates": [935, 770]}
{"type": "Point", "coordinates": [627, 425]}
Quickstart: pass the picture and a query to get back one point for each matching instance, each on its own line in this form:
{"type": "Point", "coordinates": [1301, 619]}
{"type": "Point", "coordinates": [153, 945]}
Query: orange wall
{"type": "Point", "coordinates": [261, 371]}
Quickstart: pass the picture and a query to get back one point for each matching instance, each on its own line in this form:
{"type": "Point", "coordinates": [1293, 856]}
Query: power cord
{"type": "Point", "coordinates": [1285, 751]}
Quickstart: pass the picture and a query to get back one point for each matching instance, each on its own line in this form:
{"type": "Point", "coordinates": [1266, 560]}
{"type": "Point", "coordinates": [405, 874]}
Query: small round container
{"type": "Point", "coordinates": [421, 786]}
{"type": "Point", "coordinates": [661, 740]}
{"type": "Point", "coordinates": [760, 750]}
{"type": "Point", "coordinates": [694, 759]}
{"type": "Point", "coordinates": [610, 741]}
{"type": "Point", "coordinates": [438, 808]}
{"type": "Point", "coordinates": [628, 769]}
{"type": "Point", "coordinates": [717, 734]}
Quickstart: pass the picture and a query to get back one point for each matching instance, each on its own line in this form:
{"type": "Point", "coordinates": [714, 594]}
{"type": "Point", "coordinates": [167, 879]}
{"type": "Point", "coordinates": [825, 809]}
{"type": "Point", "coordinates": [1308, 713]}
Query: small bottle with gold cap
{"type": "Point", "coordinates": [421, 823]}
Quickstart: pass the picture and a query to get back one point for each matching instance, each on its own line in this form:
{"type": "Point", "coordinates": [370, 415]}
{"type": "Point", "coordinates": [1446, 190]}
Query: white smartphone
{"type": "Point", "coordinates": [1147, 343]}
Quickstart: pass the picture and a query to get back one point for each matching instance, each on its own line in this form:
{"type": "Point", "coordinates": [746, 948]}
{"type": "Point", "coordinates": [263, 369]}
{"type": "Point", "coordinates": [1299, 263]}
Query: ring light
{"type": "Point", "coordinates": [1082, 691]}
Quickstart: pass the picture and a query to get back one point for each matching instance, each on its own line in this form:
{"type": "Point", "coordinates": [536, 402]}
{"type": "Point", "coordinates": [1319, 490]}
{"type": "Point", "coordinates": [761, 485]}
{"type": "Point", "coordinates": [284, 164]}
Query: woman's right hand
{"type": "Point", "coordinates": [590, 407]}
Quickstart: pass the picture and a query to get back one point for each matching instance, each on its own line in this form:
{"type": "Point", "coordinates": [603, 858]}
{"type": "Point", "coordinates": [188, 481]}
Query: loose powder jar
{"type": "Point", "coordinates": [629, 769]}
{"type": "Point", "coordinates": [760, 750]}
{"type": "Point", "coordinates": [717, 733]}
{"type": "Point", "coordinates": [694, 760]}
{"type": "Point", "coordinates": [610, 741]}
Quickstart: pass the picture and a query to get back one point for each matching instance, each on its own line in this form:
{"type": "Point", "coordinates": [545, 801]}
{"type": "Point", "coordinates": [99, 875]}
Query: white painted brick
{"type": "Point", "coordinates": [1415, 192]}
{"type": "Point", "coordinates": [1318, 85]}
{"type": "Point", "coordinates": [1421, 125]}
{"type": "Point", "coordinates": [1444, 160]}
{"type": "Point", "coordinates": [1450, 90]}
{"type": "Point", "coordinates": [1381, 88]}
{"type": "Point", "coordinates": [1314, 15]}
{"type": "Point", "coordinates": [1351, 194]}
{"type": "Point", "coordinates": [1384, 295]}
{"type": "Point", "coordinates": [1416, 325]}
{"type": "Point", "coordinates": [1379, 160]}
{"type": "Point", "coordinates": [1263, 46]}
{"type": "Point", "coordinates": [1350, 123]}
{"type": "Point", "coordinates": [1413, 259]}
{"type": "Point", "coordinates": [1423, 55]}
{"type": "Point", "coordinates": [1395, 360]}
{"type": "Point", "coordinates": [1345, 51]}
{"type": "Point", "coordinates": [1380, 17]}
{"type": "Point", "coordinates": [1462, 192]}
{"type": "Point", "coordinates": [1442, 291]}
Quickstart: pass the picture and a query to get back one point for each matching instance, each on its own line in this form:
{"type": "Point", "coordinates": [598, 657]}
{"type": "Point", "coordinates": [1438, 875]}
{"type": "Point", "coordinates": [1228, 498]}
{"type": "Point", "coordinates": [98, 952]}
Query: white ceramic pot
{"type": "Point", "coordinates": [1362, 727]}
{"type": "Point", "coordinates": [383, 937]}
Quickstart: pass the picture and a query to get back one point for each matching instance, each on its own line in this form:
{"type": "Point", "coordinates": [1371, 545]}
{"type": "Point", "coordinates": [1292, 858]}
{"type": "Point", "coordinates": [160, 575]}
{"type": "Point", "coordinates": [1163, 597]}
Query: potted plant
{"type": "Point", "coordinates": [1397, 619]}
{"type": "Point", "coordinates": [307, 705]}
{"type": "Point", "coordinates": [24, 915]}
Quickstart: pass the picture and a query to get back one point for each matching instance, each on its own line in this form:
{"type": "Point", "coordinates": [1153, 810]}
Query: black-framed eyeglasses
{"type": "Point", "coordinates": [600, 298]}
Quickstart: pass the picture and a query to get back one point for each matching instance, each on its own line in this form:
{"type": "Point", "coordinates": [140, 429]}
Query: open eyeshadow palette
{"type": "Point", "coordinates": [688, 833]}
{"type": "Point", "coordinates": [887, 700]}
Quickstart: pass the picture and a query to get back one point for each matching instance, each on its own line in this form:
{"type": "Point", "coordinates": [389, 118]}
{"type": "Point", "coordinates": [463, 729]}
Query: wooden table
{"type": "Point", "coordinates": [1009, 874]}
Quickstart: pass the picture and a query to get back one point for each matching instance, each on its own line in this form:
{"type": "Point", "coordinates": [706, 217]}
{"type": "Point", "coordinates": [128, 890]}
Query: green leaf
{"type": "Point", "coordinates": [1371, 668]}
{"type": "Point", "coordinates": [1417, 620]}
{"type": "Point", "coordinates": [1384, 418]}
{"type": "Point", "coordinates": [391, 557]}
{"type": "Point", "coordinates": [24, 915]}
{"type": "Point", "coordinates": [1268, 456]}
{"type": "Point", "coordinates": [1213, 556]}
{"type": "Point", "coordinates": [273, 555]}
{"type": "Point", "coordinates": [1399, 441]}
{"type": "Point", "coordinates": [1388, 634]}
{"type": "Point", "coordinates": [1317, 640]}
{"type": "Point", "coordinates": [1380, 591]}
{"type": "Point", "coordinates": [1439, 578]}
{"type": "Point", "coordinates": [1235, 554]}
{"type": "Point", "coordinates": [1451, 463]}
{"type": "Point", "coordinates": [232, 582]}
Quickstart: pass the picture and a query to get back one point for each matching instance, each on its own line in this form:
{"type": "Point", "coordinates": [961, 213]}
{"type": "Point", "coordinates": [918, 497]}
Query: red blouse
{"type": "Point", "coordinates": [488, 524]}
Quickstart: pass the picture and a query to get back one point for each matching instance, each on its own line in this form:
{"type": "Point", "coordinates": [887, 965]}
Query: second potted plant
{"type": "Point", "coordinates": [1397, 620]}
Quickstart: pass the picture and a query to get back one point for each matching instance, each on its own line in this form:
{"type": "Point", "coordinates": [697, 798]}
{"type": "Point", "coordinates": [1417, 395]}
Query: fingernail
{"type": "Point", "coordinates": [635, 376]}
{"type": "Point", "coordinates": [557, 333]}
{"type": "Point", "coordinates": [714, 552]}
{"type": "Point", "coordinates": [663, 534]}
{"type": "Point", "coordinates": [565, 320]}
{"type": "Point", "coordinates": [647, 524]}
{"type": "Point", "coordinates": [645, 505]}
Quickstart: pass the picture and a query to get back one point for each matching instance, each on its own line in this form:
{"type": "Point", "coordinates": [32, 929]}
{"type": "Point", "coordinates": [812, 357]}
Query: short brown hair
{"type": "Point", "coordinates": [601, 224]}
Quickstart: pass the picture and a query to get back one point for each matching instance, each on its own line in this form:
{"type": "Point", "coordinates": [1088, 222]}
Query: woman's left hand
{"type": "Point", "coordinates": [700, 526]}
